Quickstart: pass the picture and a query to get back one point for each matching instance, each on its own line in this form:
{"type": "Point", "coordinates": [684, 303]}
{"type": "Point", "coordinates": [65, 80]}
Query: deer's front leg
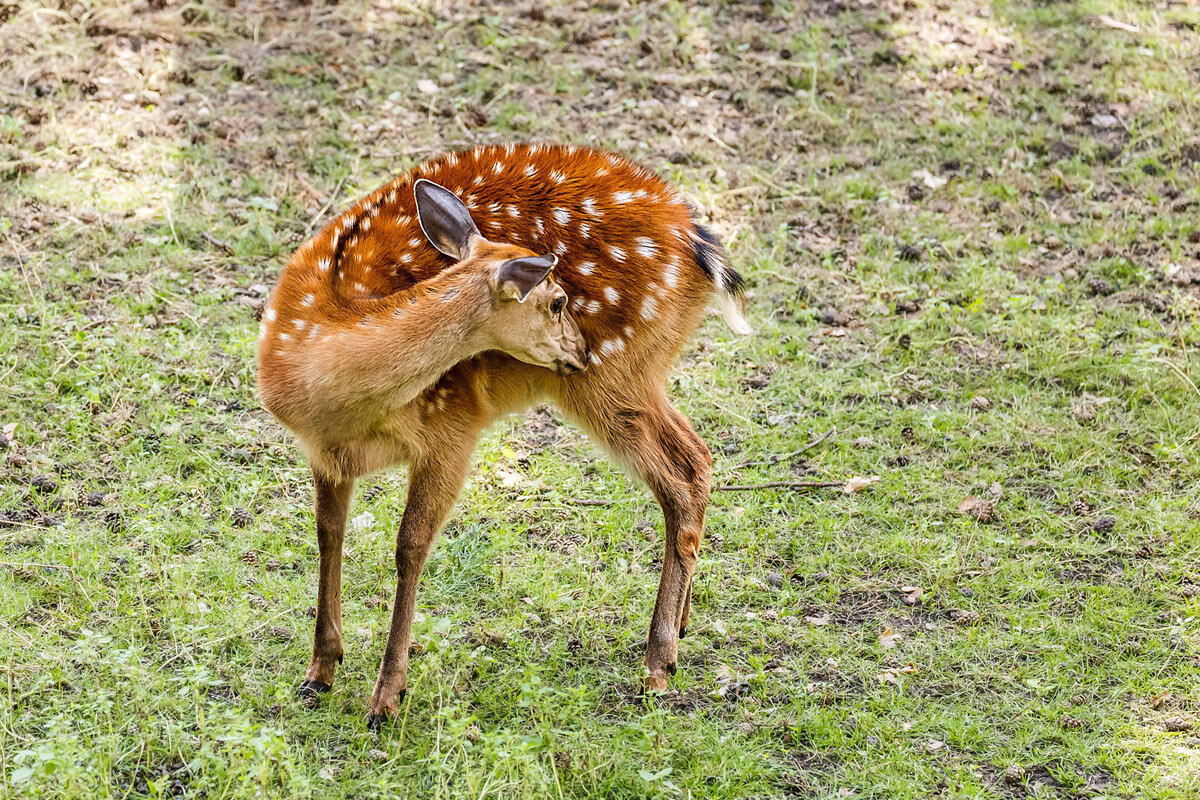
{"type": "Point", "coordinates": [332, 506]}
{"type": "Point", "coordinates": [432, 489]}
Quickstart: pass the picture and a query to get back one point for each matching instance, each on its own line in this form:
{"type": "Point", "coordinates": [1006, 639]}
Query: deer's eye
{"type": "Point", "coordinates": [557, 305]}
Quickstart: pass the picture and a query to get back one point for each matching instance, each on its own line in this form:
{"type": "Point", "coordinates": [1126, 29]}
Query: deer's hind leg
{"type": "Point", "coordinates": [653, 439]}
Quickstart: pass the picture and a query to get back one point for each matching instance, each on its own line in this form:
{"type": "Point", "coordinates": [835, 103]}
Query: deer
{"type": "Point", "coordinates": [469, 288]}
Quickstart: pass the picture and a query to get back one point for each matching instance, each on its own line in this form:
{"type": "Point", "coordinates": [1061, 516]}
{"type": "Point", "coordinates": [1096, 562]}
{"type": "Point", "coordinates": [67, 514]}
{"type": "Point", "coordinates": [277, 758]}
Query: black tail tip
{"type": "Point", "coordinates": [714, 261]}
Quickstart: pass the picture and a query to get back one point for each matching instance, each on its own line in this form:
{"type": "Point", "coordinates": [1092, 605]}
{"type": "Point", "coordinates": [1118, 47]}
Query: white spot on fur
{"type": "Point", "coordinates": [611, 295]}
{"type": "Point", "coordinates": [649, 307]}
{"type": "Point", "coordinates": [541, 226]}
{"type": "Point", "coordinates": [562, 216]}
{"type": "Point", "coordinates": [270, 314]}
{"type": "Point", "coordinates": [629, 331]}
{"type": "Point", "coordinates": [530, 171]}
{"type": "Point", "coordinates": [622, 197]}
{"type": "Point", "coordinates": [577, 304]}
{"type": "Point", "coordinates": [406, 258]}
{"type": "Point", "coordinates": [557, 176]}
{"type": "Point", "coordinates": [323, 265]}
{"type": "Point", "coordinates": [498, 167]}
{"type": "Point", "coordinates": [589, 207]}
{"type": "Point", "coordinates": [671, 273]}
{"type": "Point", "coordinates": [449, 295]}
{"type": "Point", "coordinates": [414, 242]}
{"type": "Point", "coordinates": [366, 224]}
{"type": "Point", "coordinates": [593, 306]}
{"type": "Point", "coordinates": [312, 332]}
{"type": "Point", "coordinates": [616, 252]}
{"type": "Point", "coordinates": [560, 249]}
{"type": "Point", "coordinates": [514, 212]}
{"type": "Point", "coordinates": [358, 287]}
{"type": "Point", "coordinates": [300, 324]}
{"type": "Point", "coordinates": [594, 358]}
{"type": "Point", "coordinates": [478, 180]}
{"type": "Point", "coordinates": [586, 268]}
{"type": "Point", "coordinates": [494, 208]}
{"type": "Point", "coordinates": [585, 229]}
{"type": "Point", "coordinates": [284, 337]}
{"type": "Point", "coordinates": [646, 247]}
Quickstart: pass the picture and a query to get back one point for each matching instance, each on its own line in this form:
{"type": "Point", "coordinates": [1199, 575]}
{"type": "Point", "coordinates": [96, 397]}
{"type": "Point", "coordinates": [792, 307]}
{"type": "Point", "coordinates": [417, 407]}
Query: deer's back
{"type": "Point", "coordinates": [623, 237]}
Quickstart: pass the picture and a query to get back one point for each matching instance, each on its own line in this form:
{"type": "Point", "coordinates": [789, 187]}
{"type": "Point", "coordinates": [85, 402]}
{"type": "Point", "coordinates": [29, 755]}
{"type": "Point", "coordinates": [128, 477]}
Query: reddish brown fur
{"type": "Point", "coordinates": [627, 261]}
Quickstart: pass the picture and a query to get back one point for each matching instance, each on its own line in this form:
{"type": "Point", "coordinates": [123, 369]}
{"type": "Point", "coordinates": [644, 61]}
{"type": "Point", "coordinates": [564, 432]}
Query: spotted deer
{"type": "Point", "coordinates": [400, 332]}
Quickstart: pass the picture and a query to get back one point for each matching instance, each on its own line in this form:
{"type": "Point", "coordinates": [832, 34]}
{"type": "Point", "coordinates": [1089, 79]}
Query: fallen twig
{"type": "Point", "coordinates": [786, 456]}
{"type": "Point", "coordinates": [215, 242]}
{"type": "Point", "coordinates": [793, 485]}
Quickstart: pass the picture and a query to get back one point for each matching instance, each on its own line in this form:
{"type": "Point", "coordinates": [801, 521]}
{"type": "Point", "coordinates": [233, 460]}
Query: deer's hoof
{"type": "Point", "coordinates": [309, 689]}
{"type": "Point", "coordinates": [377, 719]}
{"type": "Point", "coordinates": [683, 632]}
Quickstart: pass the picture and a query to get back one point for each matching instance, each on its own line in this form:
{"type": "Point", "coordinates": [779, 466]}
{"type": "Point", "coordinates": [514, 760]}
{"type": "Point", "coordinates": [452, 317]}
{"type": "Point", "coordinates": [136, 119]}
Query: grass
{"type": "Point", "coordinates": [971, 237]}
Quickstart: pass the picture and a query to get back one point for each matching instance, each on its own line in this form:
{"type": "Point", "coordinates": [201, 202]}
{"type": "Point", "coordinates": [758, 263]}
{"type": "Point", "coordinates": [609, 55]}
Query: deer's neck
{"type": "Point", "coordinates": [391, 350]}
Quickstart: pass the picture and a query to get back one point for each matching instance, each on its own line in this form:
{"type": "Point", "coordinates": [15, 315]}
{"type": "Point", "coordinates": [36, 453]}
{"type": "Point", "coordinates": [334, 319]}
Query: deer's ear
{"type": "Point", "coordinates": [516, 278]}
{"type": "Point", "coordinates": [444, 219]}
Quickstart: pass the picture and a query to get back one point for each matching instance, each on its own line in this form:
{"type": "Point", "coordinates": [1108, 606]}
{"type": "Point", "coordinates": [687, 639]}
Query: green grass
{"type": "Point", "coordinates": [956, 263]}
